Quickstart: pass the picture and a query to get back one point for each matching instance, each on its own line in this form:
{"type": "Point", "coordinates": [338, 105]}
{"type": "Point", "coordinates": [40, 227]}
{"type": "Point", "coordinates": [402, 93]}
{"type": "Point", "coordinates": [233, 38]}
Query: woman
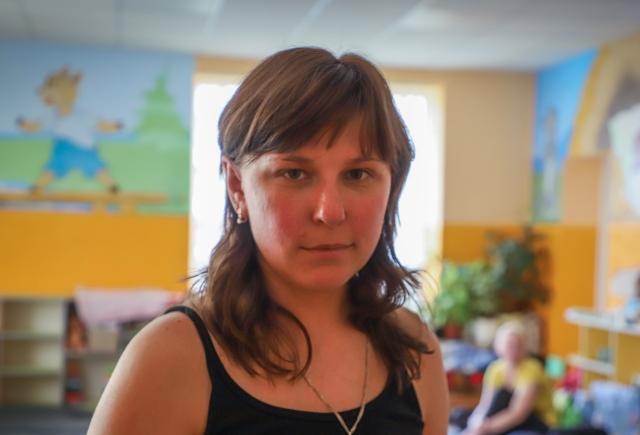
{"type": "Point", "coordinates": [516, 394]}
{"type": "Point", "coordinates": [304, 334]}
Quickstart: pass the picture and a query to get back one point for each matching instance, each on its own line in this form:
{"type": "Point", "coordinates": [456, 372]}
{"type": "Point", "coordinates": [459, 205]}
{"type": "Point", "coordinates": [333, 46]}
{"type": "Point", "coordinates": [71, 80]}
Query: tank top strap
{"type": "Point", "coordinates": [210, 353]}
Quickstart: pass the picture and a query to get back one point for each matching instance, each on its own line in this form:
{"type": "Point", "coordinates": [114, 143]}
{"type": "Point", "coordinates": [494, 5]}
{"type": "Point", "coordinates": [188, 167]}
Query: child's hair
{"type": "Point", "coordinates": [504, 330]}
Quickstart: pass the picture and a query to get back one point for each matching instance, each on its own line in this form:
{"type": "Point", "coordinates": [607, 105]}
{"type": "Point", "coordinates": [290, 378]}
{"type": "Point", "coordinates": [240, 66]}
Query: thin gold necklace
{"type": "Point", "coordinates": [364, 393]}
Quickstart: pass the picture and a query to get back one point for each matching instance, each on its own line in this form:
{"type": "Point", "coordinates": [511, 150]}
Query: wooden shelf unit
{"type": "Point", "coordinates": [37, 368]}
{"type": "Point", "coordinates": [608, 348]}
{"type": "Point", "coordinates": [32, 350]}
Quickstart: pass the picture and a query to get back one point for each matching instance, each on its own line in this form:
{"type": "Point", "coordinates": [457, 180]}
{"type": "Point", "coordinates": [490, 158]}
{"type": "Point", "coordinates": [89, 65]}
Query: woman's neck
{"type": "Point", "coordinates": [320, 310]}
{"type": "Point", "coordinates": [514, 363]}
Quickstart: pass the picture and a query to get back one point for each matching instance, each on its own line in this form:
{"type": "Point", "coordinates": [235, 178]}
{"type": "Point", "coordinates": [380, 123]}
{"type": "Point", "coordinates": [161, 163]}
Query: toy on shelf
{"type": "Point", "coordinates": [631, 309]}
{"type": "Point", "coordinates": [76, 331]}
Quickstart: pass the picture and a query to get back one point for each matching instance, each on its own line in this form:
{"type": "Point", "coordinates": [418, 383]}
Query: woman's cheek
{"type": "Point", "coordinates": [280, 216]}
{"type": "Point", "coordinates": [371, 211]}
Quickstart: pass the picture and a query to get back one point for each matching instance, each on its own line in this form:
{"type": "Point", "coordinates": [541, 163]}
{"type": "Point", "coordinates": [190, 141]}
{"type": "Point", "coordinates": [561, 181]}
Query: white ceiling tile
{"type": "Point", "coordinates": [259, 18]}
{"type": "Point", "coordinates": [83, 24]}
{"type": "Point", "coordinates": [160, 23]}
{"type": "Point", "coordinates": [67, 6]}
{"type": "Point", "coordinates": [12, 20]}
{"type": "Point", "coordinates": [242, 30]}
{"type": "Point", "coordinates": [413, 33]}
{"type": "Point", "coordinates": [606, 12]}
{"type": "Point", "coordinates": [346, 23]}
{"type": "Point", "coordinates": [200, 6]}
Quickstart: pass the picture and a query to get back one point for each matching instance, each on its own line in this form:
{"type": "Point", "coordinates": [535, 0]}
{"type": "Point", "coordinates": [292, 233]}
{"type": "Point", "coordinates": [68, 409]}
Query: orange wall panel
{"type": "Point", "coordinates": [462, 243]}
{"type": "Point", "coordinates": [572, 252]}
{"type": "Point", "coordinates": [54, 253]}
{"type": "Point", "coordinates": [624, 252]}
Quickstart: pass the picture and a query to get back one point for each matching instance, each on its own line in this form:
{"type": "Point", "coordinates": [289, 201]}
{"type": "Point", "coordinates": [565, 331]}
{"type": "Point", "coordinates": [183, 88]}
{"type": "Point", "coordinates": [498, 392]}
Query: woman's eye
{"type": "Point", "coordinates": [293, 174]}
{"type": "Point", "coordinates": [358, 174]}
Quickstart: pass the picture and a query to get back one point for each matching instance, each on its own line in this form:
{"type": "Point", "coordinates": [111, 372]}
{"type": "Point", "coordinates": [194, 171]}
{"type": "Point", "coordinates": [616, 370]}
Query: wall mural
{"type": "Point", "coordinates": [610, 119]}
{"type": "Point", "coordinates": [94, 129]}
{"type": "Point", "coordinates": [559, 91]}
{"type": "Point", "coordinates": [600, 94]}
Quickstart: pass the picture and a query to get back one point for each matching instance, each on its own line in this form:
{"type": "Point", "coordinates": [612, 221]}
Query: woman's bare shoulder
{"type": "Point", "coordinates": [160, 384]}
{"type": "Point", "coordinates": [413, 324]}
{"type": "Point", "coordinates": [431, 388]}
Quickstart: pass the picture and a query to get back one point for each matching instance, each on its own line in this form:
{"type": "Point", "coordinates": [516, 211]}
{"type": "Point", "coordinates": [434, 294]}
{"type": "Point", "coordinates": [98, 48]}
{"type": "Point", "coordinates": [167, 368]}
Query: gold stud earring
{"type": "Point", "coordinates": [240, 219]}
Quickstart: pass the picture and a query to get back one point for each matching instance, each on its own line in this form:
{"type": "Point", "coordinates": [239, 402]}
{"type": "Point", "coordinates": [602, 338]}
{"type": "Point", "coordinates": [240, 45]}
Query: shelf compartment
{"type": "Point", "coordinates": [29, 371]}
{"type": "Point", "coordinates": [20, 390]}
{"type": "Point", "coordinates": [601, 321]}
{"type": "Point", "coordinates": [600, 367]}
{"type": "Point", "coordinates": [30, 336]}
{"type": "Point", "coordinates": [31, 354]}
{"type": "Point", "coordinates": [91, 354]}
{"type": "Point", "coordinates": [32, 314]}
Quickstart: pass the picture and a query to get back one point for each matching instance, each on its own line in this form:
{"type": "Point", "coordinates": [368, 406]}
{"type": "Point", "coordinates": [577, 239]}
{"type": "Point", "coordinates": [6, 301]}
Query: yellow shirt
{"type": "Point", "coordinates": [529, 372]}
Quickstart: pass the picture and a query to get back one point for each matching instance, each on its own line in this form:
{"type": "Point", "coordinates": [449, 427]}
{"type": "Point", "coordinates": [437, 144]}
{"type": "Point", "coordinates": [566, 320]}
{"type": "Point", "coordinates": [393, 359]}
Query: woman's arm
{"type": "Point", "coordinates": [431, 387]}
{"type": "Point", "coordinates": [520, 406]}
{"type": "Point", "coordinates": [433, 392]}
{"type": "Point", "coordinates": [477, 416]}
{"type": "Point", "coordinates": [160, 384]}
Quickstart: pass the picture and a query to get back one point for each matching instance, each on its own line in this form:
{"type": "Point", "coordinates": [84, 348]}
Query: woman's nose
{"type": "Point", "coordinates": [329, 208]}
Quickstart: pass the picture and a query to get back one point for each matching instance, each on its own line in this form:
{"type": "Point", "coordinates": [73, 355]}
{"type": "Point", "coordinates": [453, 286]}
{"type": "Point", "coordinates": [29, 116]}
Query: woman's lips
{"type": "Point", "coordinates": [328, 247]}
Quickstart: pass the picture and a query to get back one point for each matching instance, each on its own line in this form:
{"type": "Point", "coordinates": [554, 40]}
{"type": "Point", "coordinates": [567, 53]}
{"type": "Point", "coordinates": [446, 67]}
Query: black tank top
{"type": "Point", "coordinates": [234, 411]}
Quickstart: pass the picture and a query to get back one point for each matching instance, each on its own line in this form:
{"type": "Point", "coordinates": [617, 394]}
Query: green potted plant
{"type": "Point", "coordinates": [452, 307]}
{"type": "Point", "coordinates": [508, 280]}
{"type": "Point", "coordinates": [516, 270]}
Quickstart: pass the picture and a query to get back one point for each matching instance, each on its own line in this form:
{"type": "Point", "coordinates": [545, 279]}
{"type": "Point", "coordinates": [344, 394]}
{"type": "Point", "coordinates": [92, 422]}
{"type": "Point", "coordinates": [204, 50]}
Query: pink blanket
{"type": "Point", "coordinates": [103, 307]}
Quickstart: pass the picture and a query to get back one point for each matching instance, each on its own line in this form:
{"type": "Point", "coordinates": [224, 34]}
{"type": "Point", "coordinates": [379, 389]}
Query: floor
{"type": "Point", "coordinates": [42, 421]}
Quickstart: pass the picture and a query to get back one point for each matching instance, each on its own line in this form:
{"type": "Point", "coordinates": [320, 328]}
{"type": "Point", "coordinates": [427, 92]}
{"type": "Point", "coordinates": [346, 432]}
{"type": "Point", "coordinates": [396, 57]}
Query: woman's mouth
{"type": "Point", "coordinates": [328, 247]}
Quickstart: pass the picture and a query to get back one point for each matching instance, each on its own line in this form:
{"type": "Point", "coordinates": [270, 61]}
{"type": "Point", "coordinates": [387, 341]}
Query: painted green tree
{"type": "Point", "coordinates": [159, 119]}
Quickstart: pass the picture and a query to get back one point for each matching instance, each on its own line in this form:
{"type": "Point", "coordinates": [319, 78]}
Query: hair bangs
{"type": "Point", "coordinates": [309, 101]}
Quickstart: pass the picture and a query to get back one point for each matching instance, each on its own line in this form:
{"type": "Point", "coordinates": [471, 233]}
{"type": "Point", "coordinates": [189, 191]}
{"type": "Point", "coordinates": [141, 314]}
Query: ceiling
{"type": "Point", "coordinates": [485, 34]}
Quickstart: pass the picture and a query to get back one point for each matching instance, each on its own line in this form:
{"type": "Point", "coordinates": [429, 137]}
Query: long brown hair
{"type": "Point", "coordinates": [289, 99]}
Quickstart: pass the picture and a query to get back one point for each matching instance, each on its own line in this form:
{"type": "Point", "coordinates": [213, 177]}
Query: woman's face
{"type": "Point", "coordinates": [512, 347]}
{"type": "Point", "coordinates": [316, 213]}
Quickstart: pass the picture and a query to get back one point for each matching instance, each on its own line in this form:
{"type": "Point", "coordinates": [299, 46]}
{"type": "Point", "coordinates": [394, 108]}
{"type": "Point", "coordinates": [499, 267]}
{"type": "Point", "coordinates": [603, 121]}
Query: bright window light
{"type": "Point", "coordinates": [420, 210]}
{"type": "Point", "coordinates": [207, 185]}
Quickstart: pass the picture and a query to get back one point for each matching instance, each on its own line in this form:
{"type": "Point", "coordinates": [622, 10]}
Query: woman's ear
{"type": "Point", "coordinates": [233, 180]}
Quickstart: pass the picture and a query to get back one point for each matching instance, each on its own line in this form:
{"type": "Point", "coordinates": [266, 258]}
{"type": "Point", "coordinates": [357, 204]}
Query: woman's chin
{"type": "Point", "coordinates": [326, 284]}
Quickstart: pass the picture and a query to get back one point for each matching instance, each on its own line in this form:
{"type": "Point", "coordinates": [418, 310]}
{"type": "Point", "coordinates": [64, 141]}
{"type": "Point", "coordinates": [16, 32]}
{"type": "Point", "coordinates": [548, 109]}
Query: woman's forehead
{"type": "Point", "coordinates": [310, 155]}
{"type": "Point", "coordinates": [348, 142]}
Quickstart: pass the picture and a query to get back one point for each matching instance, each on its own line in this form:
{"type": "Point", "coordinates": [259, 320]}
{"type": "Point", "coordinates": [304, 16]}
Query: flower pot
{"type": "Point", "coordinates": [483, 331]}
{"type": "Point", "coordinates": [452, 330]}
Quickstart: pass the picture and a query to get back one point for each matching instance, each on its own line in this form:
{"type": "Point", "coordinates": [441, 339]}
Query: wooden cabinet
{"type": "Point", "coordinates": [32, 350]}
{"type": "Point", "coordinates": [608, 348]}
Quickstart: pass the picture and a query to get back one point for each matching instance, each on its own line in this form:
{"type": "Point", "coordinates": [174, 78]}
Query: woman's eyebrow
{"type": "Point", "coordinates": [296, 159]}
{"type": "Point", "coordinates": [365, 159]}
{"type": "Point", "coordinates": [306, 160]}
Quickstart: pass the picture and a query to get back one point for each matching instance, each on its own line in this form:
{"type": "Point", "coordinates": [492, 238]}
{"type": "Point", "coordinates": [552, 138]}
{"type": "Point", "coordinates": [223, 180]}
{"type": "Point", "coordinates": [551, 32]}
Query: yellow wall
{"type": "Point", "coordinates": [212, 68]}
{"type": "Point", "coordinates": [488, 130]}
{"type": "Point", "coordinates": [572, 278]}
{"type": "Point", "coordinates": [624, 252]}
{"type": "Point", "coordinates": [463, 243]}
{"type": "Point", "coordinates": [53, 253]}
